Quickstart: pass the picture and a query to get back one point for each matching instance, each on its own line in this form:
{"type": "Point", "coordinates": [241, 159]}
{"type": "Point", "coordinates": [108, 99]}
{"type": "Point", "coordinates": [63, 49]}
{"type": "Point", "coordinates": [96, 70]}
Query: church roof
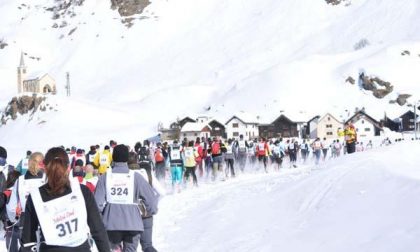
{"type": "Point", "coordinates": [35, 76]}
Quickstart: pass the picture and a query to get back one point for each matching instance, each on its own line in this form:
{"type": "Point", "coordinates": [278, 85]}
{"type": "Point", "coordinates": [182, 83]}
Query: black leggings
{"type": "Point", "coordinates": [187, 174]}
{"type": "Point", "coordinates": [229, 163]}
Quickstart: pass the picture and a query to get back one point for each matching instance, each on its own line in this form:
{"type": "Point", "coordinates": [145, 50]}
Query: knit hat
{"type": "Point", "coordinates": [3, 152]}
{"type": "Point", "coordinates": [120, 153]}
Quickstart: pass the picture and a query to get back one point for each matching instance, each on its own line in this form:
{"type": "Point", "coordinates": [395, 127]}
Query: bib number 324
{"type": "Point", "coordinates": [119, 191]}
{"type": "Point", "coordinates": [67, 227]}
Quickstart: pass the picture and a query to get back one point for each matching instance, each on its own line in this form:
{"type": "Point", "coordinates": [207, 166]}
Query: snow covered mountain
{"type": "Point", "coordinates": [174, 58]}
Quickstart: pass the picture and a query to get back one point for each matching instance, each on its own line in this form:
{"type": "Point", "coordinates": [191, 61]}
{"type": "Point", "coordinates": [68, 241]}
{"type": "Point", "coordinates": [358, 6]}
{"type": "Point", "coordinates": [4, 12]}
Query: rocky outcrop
{"type": "Point", "coordinates": [351, 80]}
{"type": "Point", "coordinates": [21, 105]}
{"type": "Point", "coordinates": [401, 99]}
{"type": "Point", "coordinates": [379, 88]}
{"type": "Point", "coordinates": [128, 8]}
{"type": "Point", "coordinates": [3, 44]}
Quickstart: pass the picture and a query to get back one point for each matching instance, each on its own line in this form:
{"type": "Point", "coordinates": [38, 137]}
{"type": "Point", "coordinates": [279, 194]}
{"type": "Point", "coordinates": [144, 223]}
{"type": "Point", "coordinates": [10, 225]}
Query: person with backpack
{"type": "Point", "coordinates": [262, 151]}
{"type": "Point", "coordinates": [242, 146]}
{"type": "Point", "coordinates": [141, 167]}
{"type": "Point", "coordinates": [304, 150]}
{"type": "Point", "coordinates": [119, 194]}
{"type": "Point", "coordinates": [291, 149]}
{"type": "Point", "coordinates": [350, 136]}
{"type": "Point", "coordinates": [90, 156]}
{"type": "Point", "coordinates": [337, 147]}
{"type": "Point", "coordinates": [12, 231]}
{"type": "Point", "coordinates": [216, 149]}
{"type": "Point", "coordinates": [177, 165]}
{"type": "Point", "coordinates": [198, 147]}
{"type": "Point", "coordinates": [60, 214]}
{"type": "Point", "coordinates": [160, 156]}
{"type": "Point", "coordinates": [316, 147]}
{"type": "Point", "coordinates": [324, 145]}
{"type": "Point", "coordinates": [190, 155]}
{"type": "Point", "coordinates": [103, 160]}
{"type": "Point", "coordinates": [229, 158]}
{"type": "Point", "coordinates": [22, 167]}
{"type": "Point", "coordinates": [34, 178]}
{"type": "Point", "coordinates": [277, 155]}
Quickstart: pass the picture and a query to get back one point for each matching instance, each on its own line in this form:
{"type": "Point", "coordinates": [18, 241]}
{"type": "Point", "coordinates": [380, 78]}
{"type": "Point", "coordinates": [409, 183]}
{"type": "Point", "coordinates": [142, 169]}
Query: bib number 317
{"type": "Point", "coordinates": [67, 227]}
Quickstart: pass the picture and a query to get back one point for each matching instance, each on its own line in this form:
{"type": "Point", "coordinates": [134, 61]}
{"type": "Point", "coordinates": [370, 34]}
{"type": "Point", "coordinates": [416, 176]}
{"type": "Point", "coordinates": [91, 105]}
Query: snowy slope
{"type": "Point", "coordinates": [363, 202]}
{"type": "Point", "coordinates": [186, 55]}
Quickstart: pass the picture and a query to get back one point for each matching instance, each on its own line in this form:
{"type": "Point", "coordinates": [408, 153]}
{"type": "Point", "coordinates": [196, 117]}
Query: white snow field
{"type": "Point", "coordinates": [365, 202]}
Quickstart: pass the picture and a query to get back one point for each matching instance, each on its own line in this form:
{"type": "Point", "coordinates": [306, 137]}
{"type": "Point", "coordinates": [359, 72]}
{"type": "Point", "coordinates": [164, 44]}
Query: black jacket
{"type": "Point", "coordinates": [95, 224]}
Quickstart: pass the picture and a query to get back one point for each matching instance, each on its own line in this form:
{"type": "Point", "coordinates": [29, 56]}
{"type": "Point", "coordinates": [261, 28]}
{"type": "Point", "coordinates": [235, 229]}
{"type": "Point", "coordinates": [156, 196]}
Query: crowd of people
{"type": "Point", "coordinates": [70, 199]}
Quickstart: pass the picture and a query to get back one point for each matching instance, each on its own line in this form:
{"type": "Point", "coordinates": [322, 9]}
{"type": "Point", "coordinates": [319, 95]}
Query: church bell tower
{"type": "Point", "coordinates": [21, 73]}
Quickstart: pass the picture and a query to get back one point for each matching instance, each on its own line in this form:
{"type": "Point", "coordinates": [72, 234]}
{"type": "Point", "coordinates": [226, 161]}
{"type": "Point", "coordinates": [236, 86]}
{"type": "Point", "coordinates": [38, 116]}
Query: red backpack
{"type": "Point", "coordinates": [159, 156]}
{"type": "Point", "coordinates": [215, 148]}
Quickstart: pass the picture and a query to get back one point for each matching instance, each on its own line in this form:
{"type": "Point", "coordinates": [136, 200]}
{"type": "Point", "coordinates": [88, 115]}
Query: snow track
{"type": "Point", "coordinates": [354, 203]}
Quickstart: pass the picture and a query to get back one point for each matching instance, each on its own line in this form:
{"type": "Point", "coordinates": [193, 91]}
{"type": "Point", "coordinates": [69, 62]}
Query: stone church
{"type": "Point", "coordinates": [41, 83]}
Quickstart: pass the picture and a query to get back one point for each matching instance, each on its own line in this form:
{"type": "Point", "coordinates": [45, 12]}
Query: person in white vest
{"type": "Point", "coordinates": [119, 194]}
{"type": "Point", "coordinates": [34, 178]}
{"type": "Point", "coordinates": [63, 210]}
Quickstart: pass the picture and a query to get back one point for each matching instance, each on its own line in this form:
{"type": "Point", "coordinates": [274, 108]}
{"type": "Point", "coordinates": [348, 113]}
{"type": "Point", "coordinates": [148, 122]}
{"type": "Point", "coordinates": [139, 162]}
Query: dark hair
{"type": "Point", "coordinates": [28, 153]}
{"type": "Point", "coordinates": [56, 166]}
{"type": "Point", "coordinates": [197, 140]}
{"type": "Point", "coordinates": [106, 147]}
{"type": "Point", "coordinates": [92, 148]}
{"type": "Point", "coordinates": [191, 144]}
{"type": "Point", "coordinates": [132, 158]}
{"type": "Point", "coordinates": [137, 147]}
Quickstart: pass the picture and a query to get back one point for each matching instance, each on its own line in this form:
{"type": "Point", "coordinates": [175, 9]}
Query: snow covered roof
{"type": "Point", "coordinates": [35, 75]}
{"type": "Point", "coordinates": [194, 127]}
{"type": "Point", "coordinates": [246, 118]}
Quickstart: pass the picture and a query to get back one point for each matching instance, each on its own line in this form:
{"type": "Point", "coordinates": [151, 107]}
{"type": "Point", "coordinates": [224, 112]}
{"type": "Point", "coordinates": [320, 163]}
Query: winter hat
{"type": "Point", "coordinates": [3, 152]}
{"type": "Point", "coordinates": [120, 153]}
{"type": "Point", "coordinates": [79, 162]}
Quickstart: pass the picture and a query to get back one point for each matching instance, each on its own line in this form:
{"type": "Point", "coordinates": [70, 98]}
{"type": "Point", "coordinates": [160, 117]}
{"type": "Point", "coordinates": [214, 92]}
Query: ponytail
{"type": "Point", "coordinates": [56, 164]}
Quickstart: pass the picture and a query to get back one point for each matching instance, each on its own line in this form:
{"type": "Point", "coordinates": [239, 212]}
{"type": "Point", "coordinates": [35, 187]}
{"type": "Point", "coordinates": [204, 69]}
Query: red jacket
{"type": "Point", "coordinates": [262, 148]}
{"type": "Point", "coordinates": [199, 149]}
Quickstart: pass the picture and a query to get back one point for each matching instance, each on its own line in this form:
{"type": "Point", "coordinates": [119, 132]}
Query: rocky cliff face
{"type": "Point", "coordinates": [22, 105]}
{"type": "Point", "coordinates": [128, 8]}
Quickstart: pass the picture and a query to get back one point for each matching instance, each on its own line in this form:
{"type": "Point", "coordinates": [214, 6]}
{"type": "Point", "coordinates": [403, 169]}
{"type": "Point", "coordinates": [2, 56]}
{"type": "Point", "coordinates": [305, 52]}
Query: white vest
{"type": "Point", "coordinates": [242, 145]}
{"type": "Point", "coordinates": [63, 220]}
{"type": "Point", "coordinates": [176, 153]}
{"type": "Point", "coordinates": [120, 188]}
{"type": "Point", "coordinates": [25, 186]}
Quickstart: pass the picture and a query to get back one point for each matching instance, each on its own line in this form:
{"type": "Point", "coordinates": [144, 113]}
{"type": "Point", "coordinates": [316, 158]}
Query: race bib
{"type": "Point", "coordinates": [242, 145]}
{"type": "Point", "coordinates": [103, 159]}
{"type": "Point", "coordinates": [120, 188]}
{"type": "Point", "coordinates": [91, 157]}
{"type": "Point", "coordinates": [175, 154]}
{"type": "Point", "coordinates": [25, 186]}
{"type": "Point", "coordinates": [189, 153]}
{"type": "Point", "coordinates": [63, 220]}
{"type": "Point", "coordinates": [261, 146]}
{"type": "Point", "coordinates": [229, 149]}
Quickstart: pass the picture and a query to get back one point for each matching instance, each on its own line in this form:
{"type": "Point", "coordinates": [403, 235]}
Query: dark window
{"type": "Point", "coordinates": [235, 125]}
{"type": "Point", "coordinates": [367, 129]}
{"type": "Point", "coordinates": [235, 134]}
{"type": "Point", "coordinates": [329, 133]}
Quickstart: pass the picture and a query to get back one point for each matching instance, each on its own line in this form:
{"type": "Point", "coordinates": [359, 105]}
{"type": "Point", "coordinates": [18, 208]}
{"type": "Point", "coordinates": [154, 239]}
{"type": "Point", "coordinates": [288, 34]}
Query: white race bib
{"type": "Point", "coordinates": [103, 159]}
{"type": "Point", "coordinates": [120, 188]}
{"type": "Point", "coordinates": [261, 146]}
{"type": "Point", "coordinates": [175, 154]}
{"type": "Point", "coordinates": [229, 149]}
{"type": "Point", "coordinates": [189, 153]}
{"type": "Point", "coordinates": [25, 186]}
{"type": "Point", "coordinates": [242, 145]}
{"type": "Point", "coordinates": [63, 220]}
{"type": "Point", "coordinates": [92, 157]}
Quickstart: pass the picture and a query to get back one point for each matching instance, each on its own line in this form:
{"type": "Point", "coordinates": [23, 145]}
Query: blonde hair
{"type": "Point", "coordinates": [33, 164]}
